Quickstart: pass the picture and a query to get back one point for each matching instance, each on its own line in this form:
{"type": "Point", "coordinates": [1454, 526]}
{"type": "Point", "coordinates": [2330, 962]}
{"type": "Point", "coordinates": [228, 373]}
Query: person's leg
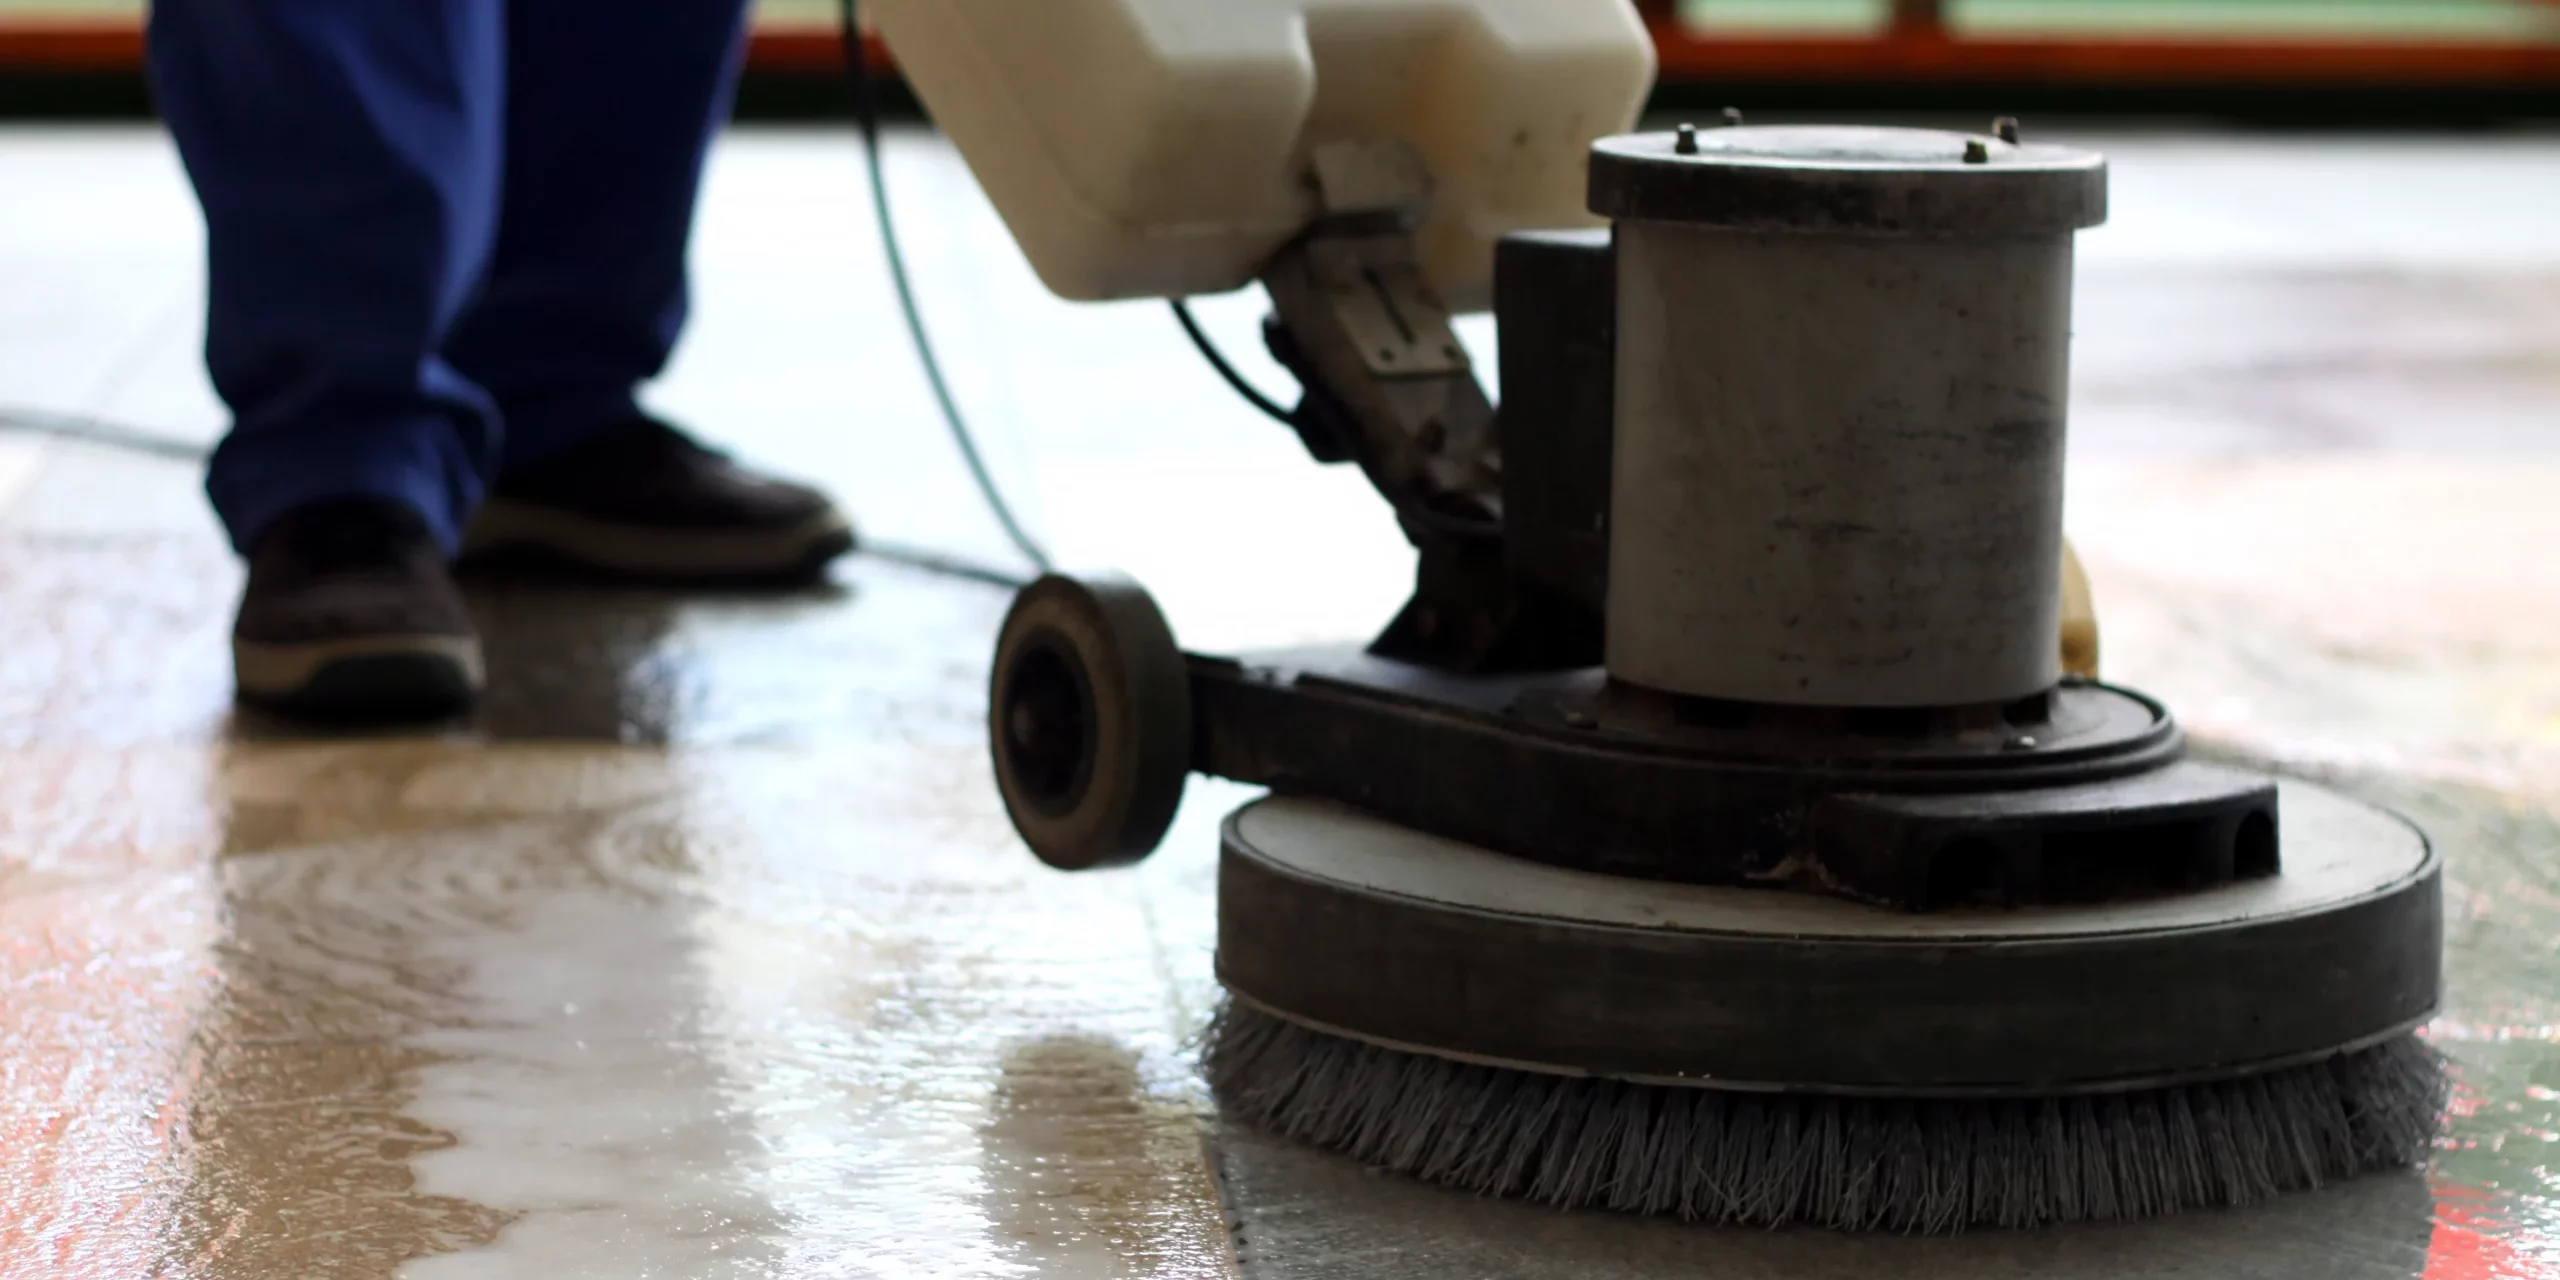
{"type": "Point", "coordinates": [610, 111]}
{"type": "Point", "coordinates": [347, 159]}
{"type": "Point", "coordinates": [610, 114]}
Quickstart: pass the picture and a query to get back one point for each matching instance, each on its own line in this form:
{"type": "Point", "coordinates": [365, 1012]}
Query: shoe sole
{"type": "Point", "coordinates": [507, 530]}
{"type": "Point", "coordinates": [378, 678]}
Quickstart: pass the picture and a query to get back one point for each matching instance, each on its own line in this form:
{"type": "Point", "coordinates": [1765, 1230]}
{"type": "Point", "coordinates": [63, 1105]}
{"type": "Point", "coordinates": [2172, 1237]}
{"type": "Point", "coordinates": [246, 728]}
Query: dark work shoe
{"type": "Point", "coordinates": [350, 614]}
{"type": "Point", "coordinates": [643, 501]}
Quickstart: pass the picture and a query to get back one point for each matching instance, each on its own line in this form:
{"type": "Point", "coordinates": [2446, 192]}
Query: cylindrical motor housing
{"type": "Point", "coordinates": [1843, 368]}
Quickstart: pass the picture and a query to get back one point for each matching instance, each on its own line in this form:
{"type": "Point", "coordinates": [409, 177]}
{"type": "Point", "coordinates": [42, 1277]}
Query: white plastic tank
{"type": "Point", "coordinates": [1149, 148]}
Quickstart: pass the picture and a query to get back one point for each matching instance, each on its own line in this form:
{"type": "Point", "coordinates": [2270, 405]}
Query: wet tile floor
{"type": "Point", "coordinates": [704, 950]}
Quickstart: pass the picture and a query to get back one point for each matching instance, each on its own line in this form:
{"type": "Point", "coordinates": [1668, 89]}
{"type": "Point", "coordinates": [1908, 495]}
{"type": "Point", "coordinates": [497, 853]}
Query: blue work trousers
{"type": "Point", "coordinates": [444, 236]}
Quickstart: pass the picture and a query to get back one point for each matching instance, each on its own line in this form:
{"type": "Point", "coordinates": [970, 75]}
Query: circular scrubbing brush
{"type": "Point", "coordinates": [1773, 1159]}
{"type": "Point", "coordinates": [1753, 1057]}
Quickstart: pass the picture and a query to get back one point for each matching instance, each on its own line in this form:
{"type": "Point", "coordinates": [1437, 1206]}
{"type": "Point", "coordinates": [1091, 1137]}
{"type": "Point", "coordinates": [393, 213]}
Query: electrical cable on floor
{"type": "Point", "coordinates": [109, 435]}
{"type": "Point", "coordinates": [92, 431]}
{"type": "Point", "coordinates": [943, 564]}
{"type": "Point", "coordinates": [866, 110]}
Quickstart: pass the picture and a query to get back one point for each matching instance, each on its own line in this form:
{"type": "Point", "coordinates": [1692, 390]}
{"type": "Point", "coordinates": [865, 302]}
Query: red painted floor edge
{"type": "Point", "coordinates": [2470, 1244]}
{"type": "Point", "coordinates": [1923, 56]}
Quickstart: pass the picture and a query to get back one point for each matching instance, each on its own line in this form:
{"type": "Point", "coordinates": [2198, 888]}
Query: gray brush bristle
{"type": "Point", "coordinates": [1858, 1163]}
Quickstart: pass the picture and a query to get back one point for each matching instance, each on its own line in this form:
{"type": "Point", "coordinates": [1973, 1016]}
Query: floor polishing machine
{"type": "Point", "coordinates": [1732, 824]}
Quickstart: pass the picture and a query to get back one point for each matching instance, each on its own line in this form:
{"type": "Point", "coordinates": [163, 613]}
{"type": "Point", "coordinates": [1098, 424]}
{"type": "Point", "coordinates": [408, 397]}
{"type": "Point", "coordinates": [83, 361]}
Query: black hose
{"type": "Point", "coordinates": [1218, 361]}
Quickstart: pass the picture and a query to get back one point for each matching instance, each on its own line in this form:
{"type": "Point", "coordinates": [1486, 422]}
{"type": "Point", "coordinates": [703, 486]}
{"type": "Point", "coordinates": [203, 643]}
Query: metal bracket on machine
{"type": "Point", "coordinates": [1390, 387]}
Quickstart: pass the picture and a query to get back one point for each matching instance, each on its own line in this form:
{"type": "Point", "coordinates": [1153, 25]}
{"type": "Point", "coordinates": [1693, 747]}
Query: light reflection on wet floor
{"type": "Point", "coordinates": [609, 1010]}
{"type": "Point", "coordinates": [704, 949]}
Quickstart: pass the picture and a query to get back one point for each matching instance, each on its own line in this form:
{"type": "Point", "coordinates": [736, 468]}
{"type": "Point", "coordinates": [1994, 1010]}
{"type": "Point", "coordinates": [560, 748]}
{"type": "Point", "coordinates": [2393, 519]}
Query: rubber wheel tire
{"type": "Point", "coordinates": [1089, 721]}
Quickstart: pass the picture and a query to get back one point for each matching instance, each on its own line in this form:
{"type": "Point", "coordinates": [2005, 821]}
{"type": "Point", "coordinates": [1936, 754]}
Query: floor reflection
{"type": "Point", "coordinates": [1087, 1166]}
{"type": "Point", "coordinates": [603, 664]}
{"type": "Point", "coordinates": [101, 992]}
{"type": "Point", "coordinates": [303, 1068]}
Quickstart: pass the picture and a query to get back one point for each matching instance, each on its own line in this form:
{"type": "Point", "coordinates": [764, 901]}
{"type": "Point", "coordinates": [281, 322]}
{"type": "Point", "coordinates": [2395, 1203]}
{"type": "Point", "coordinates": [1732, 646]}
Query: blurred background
{"type": "Point", "coordinates": [2337, 62]}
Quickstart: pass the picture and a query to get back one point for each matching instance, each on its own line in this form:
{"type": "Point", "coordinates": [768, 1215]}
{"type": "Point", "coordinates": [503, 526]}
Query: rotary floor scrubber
{"type": "Point", "coordinates": [1720, 831]}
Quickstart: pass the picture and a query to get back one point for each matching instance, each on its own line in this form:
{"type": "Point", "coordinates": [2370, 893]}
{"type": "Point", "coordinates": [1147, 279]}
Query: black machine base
{"type": "Point", "coordinates": [2073, 796]}
{"type": "Point", "coordinates": [1362, 929]}
{"type": "Point", "coordinates": [2079, 795]}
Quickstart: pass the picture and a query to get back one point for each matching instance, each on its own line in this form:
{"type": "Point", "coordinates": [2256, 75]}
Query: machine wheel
{"type": "Point", "coordinates": [1089, 721]}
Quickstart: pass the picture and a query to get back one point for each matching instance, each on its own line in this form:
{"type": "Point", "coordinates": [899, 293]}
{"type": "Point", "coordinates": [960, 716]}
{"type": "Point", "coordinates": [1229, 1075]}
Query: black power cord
{"type": "Point", "coordinates": [1218, 361]}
